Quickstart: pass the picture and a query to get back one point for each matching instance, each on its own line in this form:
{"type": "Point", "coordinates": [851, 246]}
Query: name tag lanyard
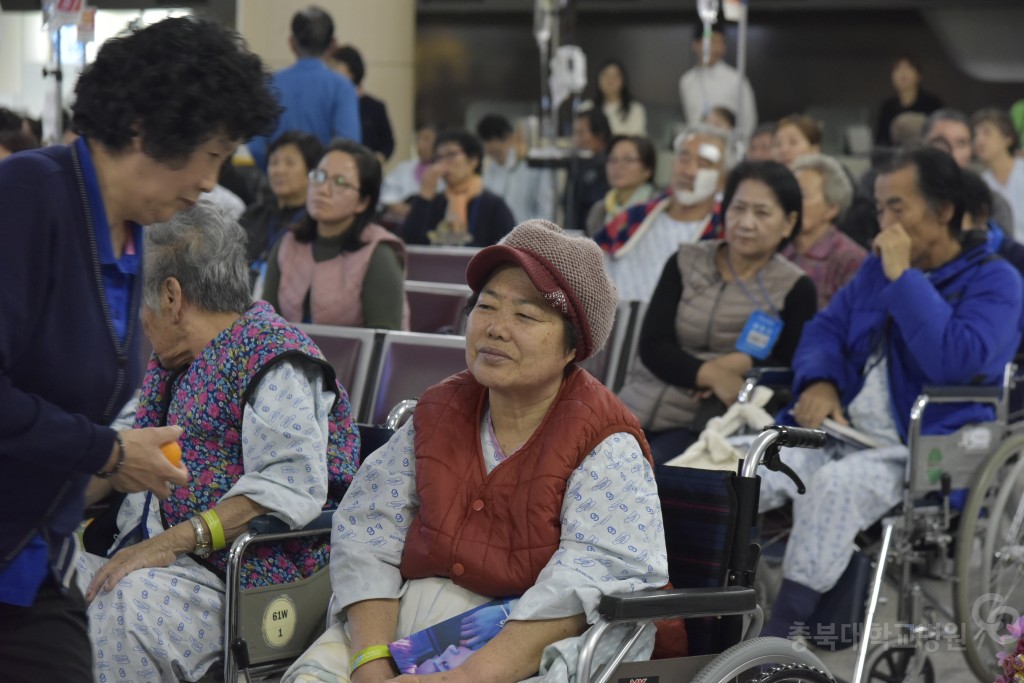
{"type": "Point", "coordinates": [750, 295]}
{"type": "Point", "coordinates": [762, 329]}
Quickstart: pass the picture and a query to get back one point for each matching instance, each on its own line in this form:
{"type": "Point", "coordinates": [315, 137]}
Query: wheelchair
{"type": "Point", "coordinates": [984, 539]}
{"type": "Point", "coordinates": [726, 606]}
{"type": "Point", "coordinates": [267, 628]}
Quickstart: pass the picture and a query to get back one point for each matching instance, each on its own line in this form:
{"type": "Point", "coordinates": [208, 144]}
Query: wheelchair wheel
{"type": "Point", "coordinates": [794, 673]}
{"type": "Point", "coordinates": [753, 659]}
{"type": "Point", "coordinates": [894, 663]}
{"type": "Point", "coordinates": [988, 591]}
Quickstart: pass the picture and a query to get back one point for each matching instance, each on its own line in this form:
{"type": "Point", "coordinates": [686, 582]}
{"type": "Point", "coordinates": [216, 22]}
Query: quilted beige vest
{"type": "Point", "coordinates": [709, 320]}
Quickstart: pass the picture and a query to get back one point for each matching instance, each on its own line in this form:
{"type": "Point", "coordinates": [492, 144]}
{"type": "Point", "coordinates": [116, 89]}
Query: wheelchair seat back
{"type": "Point", "coordinates": [699, 511]}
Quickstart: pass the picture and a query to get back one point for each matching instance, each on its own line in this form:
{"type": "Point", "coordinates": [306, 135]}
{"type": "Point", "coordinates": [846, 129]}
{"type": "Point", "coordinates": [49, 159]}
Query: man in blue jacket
{"type": "Point", "coordinates": [931, 306]}
{"type": "Point", "coordinates": [158, 112]}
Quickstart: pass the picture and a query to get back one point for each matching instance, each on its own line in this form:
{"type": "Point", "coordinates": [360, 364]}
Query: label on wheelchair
{"type": "Point", "coordinates": [279, 620]}
{"type": "Point", "coordinates": [958, 454]}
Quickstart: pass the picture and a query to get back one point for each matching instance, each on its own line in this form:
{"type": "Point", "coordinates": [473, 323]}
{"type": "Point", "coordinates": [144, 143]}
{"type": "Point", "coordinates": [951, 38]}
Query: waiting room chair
{"type": "Point", "coordinates": [352, 352]}
{"type": "Point", "coordinates": [438, 264]}
{"type": "Point", "coordinates": [436, 307]}
{"type": "Point", "coordinates": [411, 362]}
{"type": "Point", "coordinates": [606, 364]}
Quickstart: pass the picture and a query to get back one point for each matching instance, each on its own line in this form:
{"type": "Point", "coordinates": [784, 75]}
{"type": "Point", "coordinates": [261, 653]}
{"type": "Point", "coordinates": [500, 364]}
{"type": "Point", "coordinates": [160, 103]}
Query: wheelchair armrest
{"type": "Point", "coordinates": [679, 602]}
{"type": "Point", "coordinates": [966, 393]}
{"type": "Point", "coordinates": [268, 524]}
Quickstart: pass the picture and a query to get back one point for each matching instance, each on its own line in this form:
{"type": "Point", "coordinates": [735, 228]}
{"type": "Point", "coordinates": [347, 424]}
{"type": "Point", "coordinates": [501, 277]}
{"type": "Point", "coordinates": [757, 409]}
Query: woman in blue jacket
{"type": "Point", "coordinates": [932, 306]}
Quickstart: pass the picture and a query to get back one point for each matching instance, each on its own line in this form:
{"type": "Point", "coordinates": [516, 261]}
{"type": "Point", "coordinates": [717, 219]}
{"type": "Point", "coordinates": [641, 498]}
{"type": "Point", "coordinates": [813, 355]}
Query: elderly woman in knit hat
{"type": "Point", "coordinates": [522, 476]}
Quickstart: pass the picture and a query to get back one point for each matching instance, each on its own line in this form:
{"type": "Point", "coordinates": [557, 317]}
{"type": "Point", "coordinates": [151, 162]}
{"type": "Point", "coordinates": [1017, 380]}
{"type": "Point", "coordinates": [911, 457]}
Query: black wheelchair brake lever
{"type": "Point", "coordinates": [773, 461]}
{"type": "Point", "coordinates": [784, 468]}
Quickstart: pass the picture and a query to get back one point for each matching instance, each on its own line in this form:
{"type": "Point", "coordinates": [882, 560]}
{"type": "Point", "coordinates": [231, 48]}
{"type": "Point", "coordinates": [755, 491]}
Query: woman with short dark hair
{"type": "Point", "coordinates": [721, 307]}
{"type": "Point", "coordinates": [159, 111]}
{"type": "Point", "coordinates": [291, 157]}
{"type": "Point", "coordinates": [464, 214]}
{"type": "Point", "coordinates": [630, 169]}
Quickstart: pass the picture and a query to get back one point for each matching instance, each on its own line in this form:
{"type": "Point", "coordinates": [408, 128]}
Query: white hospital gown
{"type": "Point", "coordinates": [612, 541]}
{"type": "Point", "coordinates": [166, 623]}
{"type": "Point", "coordinates": [848, 488]}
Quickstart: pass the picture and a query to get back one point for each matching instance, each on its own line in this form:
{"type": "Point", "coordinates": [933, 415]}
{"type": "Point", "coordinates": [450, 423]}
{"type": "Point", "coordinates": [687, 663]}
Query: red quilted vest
{"type": "Point", "coordinates": [494, 533]}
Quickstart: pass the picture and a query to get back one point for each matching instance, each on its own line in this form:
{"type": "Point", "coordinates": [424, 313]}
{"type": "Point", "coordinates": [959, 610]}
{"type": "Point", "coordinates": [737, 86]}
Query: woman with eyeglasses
{"type": "Point", "coordinates": [339, 268]}
{"type": "Point", "coordinates": [464, 214]}
{"type": "Point", "coordinates": [630, 170]}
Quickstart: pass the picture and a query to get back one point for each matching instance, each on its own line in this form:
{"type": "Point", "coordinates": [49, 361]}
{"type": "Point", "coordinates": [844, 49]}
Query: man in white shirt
{"type": "Point", "coordinates": [718, 84]}
{"type": "Point", "coordinates": [528, 192]}
{"type": "Point", "coordinates": [641, 238]}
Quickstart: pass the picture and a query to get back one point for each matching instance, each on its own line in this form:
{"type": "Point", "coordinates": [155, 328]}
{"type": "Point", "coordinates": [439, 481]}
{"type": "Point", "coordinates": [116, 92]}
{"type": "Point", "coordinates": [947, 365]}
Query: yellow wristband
{"type": "Point", "coordinates": [216, 528]}
{"type": "Point", "coordinates": [368, 654]}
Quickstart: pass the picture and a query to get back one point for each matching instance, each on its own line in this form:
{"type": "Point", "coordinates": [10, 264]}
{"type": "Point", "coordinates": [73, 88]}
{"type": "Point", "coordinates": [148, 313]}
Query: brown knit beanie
{"type": "Point", "coordinates": [568, 271]}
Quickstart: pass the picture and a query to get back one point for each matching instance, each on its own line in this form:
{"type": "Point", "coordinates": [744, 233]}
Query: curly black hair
{"type": "Point", "coordinates": [177, 83]}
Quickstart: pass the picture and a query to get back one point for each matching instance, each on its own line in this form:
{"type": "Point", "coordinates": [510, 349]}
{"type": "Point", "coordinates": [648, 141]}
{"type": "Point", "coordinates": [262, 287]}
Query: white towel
{"type": "Point", "coordinates": [713, 451]}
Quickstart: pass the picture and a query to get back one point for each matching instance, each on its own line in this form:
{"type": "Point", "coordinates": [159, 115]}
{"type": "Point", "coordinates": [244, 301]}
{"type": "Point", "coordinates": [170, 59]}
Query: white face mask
{"type": "Point", "coordinates": [704, 185]}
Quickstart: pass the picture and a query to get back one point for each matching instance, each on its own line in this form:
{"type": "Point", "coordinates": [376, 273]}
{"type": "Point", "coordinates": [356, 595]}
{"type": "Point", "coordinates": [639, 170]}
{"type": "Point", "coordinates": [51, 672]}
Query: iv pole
{"type": "Point", "coordinates": [51, 130]}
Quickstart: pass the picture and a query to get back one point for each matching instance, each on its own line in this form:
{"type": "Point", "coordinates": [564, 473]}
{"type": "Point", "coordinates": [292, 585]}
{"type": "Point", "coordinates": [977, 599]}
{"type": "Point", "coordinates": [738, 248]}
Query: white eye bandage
{"type": "Point", "coordinates": [709, 152]}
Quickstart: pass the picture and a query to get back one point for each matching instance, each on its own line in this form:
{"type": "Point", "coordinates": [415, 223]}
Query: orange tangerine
{"type": "Point", "coordinates": [172, 451]}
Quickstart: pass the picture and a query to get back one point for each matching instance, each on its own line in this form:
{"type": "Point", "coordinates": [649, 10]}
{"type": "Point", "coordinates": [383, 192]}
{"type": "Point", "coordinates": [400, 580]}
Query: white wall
{"type": "Point", "coordinates": [25, 50]}
{"type": "Point", "coordinates": [384, 31]}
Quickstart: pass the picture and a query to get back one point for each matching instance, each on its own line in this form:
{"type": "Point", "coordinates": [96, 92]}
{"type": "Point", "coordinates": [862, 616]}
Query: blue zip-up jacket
{"type": "Point", "coordinates": [63, 372]}
{"type": "Point", "coordinates": [958, 324]}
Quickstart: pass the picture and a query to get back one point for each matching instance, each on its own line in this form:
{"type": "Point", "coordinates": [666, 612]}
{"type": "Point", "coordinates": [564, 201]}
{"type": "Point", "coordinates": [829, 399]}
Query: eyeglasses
{"type": "Point", "coordinates": [612, 161]}
{"type": "Point", "coordinates": [319, 177]}
{"type": "Point", "coordinates": [447, 155]}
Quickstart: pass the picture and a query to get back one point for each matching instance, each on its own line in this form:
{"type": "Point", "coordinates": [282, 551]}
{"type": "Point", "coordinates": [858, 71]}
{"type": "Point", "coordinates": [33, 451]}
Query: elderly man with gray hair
{"type": "Point", "coordinates": [826, 254]}
{"type": "Point", "coordinates": [950, 130]}
{"type": "Point", "coordinates": [267, 430]}
{"type": "Point", "coordinates": [640, 239]}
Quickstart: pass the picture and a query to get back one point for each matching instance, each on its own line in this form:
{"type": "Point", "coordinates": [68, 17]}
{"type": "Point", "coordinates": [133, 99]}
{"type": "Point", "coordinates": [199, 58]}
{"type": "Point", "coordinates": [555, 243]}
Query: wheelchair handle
{"type": "Point", "coordinates": [798, 437]}
{"type": "Point", "coordinates": [765, 449]}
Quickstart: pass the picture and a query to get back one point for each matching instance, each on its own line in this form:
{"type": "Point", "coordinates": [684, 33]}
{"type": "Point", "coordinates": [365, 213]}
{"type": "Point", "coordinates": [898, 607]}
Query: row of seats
{"type": "Point", "coordinates": [380, 368]}
{"type": "Point", "coordinates": [436, 289]}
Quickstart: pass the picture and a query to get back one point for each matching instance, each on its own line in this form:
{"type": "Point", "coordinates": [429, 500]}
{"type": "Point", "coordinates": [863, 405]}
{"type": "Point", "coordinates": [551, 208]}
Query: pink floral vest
{"type": "Point", "coordinates": [207, 400]}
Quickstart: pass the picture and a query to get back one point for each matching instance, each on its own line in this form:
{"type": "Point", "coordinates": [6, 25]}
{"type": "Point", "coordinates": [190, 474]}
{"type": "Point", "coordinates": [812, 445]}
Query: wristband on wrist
{"type": "Point", "coordinates": [120, 459]}
{"type": "Point", "coordinates": [216, 528]}
{"type": "Point", "coordinates": [368, 654]}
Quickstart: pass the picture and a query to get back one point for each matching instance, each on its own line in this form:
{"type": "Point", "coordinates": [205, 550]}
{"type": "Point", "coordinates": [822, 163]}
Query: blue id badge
{"type": "Point", "coordinates": [759, 335]}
